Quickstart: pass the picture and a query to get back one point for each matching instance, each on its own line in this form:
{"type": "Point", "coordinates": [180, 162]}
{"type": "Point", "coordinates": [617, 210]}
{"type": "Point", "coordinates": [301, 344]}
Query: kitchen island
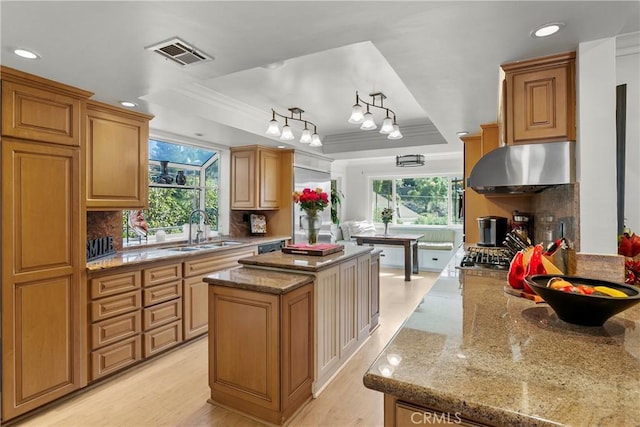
{"type": "Point", "coordinates": [472, 354]}
{"type": "Point", "coordinates": [282, 325]}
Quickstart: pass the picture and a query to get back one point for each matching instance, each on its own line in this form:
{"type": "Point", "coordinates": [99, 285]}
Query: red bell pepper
{"type": "Point", "coordinates": [535, 266]}
{"type": "Point", "coordinates": [515, 277]}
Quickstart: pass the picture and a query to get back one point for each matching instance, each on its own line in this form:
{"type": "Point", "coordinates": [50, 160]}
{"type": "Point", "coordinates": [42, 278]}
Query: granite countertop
{"type": "Point", "coordinates": [253, 279]}
{"type": "Point", "coordinates": [503, 360]}
{"type": "Point", "coordinates": [298, 262]}
{"type": "Point", "coordinates": [142, 255]}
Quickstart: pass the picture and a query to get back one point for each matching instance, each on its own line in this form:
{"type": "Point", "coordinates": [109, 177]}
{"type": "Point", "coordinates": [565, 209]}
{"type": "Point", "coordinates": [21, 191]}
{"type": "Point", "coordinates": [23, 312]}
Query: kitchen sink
{"type": "Point", "coordinates": [185, 249]}
{"type": "Point", "coordinates": [218, 244]}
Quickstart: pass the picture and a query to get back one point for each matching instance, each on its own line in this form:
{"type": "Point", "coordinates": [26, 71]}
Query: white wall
{"type": "Point", "coordinates": [602, 65]}
{"type": "Point", "coordinates": [357, 173]}
{"type": "Point", "coordinates": [628, 72]}
{"type": "Point", "coordinates": [596, 147]}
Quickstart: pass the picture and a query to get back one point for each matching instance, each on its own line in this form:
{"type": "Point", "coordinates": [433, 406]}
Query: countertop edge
{"type": "Point", "coordinates": [256, 263]}
{"type": "Point", "coordinates": [437, 400]}
{"type": "Point", "coordinates": [299, 280]}
{"type": "Point", "coordinates": [98, 265]}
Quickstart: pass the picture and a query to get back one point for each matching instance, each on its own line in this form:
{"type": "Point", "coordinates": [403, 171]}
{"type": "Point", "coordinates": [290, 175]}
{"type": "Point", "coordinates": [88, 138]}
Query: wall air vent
{"type": "Point", "coordinates": [180, 52]}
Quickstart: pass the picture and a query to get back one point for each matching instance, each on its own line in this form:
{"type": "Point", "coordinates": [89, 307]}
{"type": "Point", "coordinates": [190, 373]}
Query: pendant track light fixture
{"type": "Point", "coordinates": [313, 139]}
{"type": "Point", "coordinates": [366, 121]}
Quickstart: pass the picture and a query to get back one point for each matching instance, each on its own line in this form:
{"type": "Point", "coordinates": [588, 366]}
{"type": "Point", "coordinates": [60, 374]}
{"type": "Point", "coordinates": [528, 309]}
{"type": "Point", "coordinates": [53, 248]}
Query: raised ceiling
{"type": "Point", "coordinates": [437, 62]}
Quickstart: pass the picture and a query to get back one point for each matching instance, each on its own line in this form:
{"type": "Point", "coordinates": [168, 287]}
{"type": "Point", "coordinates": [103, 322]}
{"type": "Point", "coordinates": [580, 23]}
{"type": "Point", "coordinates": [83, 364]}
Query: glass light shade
{"type": "Point", "coordinates": [287, 135]}
{"type": "Point", "coordinates": [273, 128]}
{"type": "Point", "coordinates": [387, 126]}
{"type": "Point", "coordinates": [356, 114]}
{"type": "Point", "coordinates": [395, 133]}
{"type": "Point", "coordinates": [315, 141]}
{"type": "Point", "coordinates": [306, 136]}
{"type": "Point", "coordinates": [368, 122]}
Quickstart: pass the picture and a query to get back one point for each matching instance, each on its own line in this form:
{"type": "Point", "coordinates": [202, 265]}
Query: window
{"type": "Point", "coordinates": [435, 200]}
{"type": "Point", "coordinates": [181, 178]}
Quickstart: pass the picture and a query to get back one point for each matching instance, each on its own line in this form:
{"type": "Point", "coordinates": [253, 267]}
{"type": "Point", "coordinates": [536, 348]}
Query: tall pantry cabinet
{"type": "Point", "coordinates": [43, 239]}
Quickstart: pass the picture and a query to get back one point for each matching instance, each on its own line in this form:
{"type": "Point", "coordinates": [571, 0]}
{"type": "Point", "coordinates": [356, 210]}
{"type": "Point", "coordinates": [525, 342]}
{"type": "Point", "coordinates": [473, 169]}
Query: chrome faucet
{"type": "Point", "coordinates": [198, 231]}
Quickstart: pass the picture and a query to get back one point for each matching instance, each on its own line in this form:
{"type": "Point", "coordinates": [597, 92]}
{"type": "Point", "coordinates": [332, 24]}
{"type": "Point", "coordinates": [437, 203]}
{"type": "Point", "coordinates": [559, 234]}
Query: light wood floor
{"type": "Point", "coordinates": [172, 390]}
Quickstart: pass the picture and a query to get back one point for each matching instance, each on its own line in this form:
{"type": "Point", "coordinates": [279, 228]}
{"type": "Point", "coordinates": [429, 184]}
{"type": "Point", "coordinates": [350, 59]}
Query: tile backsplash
{"type": "Point", "coordinates": [105, 223]}
{"type": "Point", "coordinates": [556, 213]}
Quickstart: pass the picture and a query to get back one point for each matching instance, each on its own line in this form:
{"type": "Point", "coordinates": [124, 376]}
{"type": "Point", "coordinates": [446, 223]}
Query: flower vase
{"type": "Point", "coordinates": [311, 226]}
{"type": "Point", "coordinates": [386, 226]}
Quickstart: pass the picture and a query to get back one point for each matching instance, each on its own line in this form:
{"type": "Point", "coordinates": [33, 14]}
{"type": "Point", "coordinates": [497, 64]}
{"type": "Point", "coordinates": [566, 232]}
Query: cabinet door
{"type": "Point", "coordinates": [348, 307]}
{"type": "Point", "coordinates": [297, 346]}
{"type": "Point", "coordinates": [243, 179]}
{"type": "Point", "coordinates": [244, 347]}
{"type": "Point", "coordinates": [41, 293]}
{"type": "Point", "coordinates": [375, 290]}
{"type": "Point", "coordinates": [363, 297]}
{"type": "Point", "coordinates": [40, 114]}
{"type": "Point", "coordinates": [327, 294]}
{"type": "Point", "coordinates": [195, 314]}
{"type": "Point", "coordinates": [116, 158]}
{"type": "Point", "coordinates": [269, 182]}
{"type": "Point", "coordinates": [540, 99]}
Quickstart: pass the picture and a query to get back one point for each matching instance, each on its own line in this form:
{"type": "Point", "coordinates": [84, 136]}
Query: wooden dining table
{"type": "Point", "coordinates": [409, 241]}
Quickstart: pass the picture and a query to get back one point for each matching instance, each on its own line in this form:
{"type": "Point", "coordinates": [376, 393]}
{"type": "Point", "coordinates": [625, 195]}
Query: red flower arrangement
{"type": "Point", "coordinates": [311, 201]}
{"type": "Point", "coordinates": [629, 247]}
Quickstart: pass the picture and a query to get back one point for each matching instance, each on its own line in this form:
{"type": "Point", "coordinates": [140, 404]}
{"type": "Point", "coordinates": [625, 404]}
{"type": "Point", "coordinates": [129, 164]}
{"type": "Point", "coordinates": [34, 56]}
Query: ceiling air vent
{"type": "Point", "coordinates": [179, 51]}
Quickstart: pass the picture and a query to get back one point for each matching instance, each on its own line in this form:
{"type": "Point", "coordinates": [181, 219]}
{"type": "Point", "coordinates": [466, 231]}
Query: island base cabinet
{"type": "Point", "coordinates": [261, 351]}
{"type": "Point", "coordinates": [398, 413]}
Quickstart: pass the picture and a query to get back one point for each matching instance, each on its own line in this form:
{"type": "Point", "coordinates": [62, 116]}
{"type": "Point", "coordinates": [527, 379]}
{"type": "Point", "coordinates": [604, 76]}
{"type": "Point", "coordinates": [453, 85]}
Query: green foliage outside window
{"type": "Point", "coordinates": [418, 200]}
{"type": "Point", "coordinates": [171, 205]}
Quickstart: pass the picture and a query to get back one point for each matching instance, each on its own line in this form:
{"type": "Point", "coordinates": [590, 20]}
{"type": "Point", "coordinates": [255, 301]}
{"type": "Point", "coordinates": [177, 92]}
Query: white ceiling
{"type": "Point", "coordinates": [437, 62]}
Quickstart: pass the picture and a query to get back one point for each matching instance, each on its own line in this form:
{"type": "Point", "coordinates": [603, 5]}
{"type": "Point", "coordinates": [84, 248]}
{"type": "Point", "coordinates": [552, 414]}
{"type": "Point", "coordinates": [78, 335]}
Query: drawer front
{"type": "Point", "coordinates": [115, 357]}
{"type": "Point", "coordinates": [162, 313]}
{"type": "Point", "coordinates": [162, 293]}
{"type": "Point", "coordinates": [162, 274]}
{"type": "Point", "coordinates": [111, 330]}
{"type": "Point", "coordinates": [115, 284]}
{"type": "Point", "coordinates": [105, 308]}
{"type": "Point", "coordinates": [162, 338]}
{"type": "Point", "coordinates": [213, 263]}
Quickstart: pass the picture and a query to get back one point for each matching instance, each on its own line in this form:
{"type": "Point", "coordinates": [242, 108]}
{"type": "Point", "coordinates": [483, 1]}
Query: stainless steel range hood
{"type": "Point", "coordinates": [528, 168]}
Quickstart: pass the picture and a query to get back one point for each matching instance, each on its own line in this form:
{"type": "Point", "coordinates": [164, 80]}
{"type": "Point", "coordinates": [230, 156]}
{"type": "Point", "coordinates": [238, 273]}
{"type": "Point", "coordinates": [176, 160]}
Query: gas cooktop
{"type": "Point", "coordinates": [487, 257]}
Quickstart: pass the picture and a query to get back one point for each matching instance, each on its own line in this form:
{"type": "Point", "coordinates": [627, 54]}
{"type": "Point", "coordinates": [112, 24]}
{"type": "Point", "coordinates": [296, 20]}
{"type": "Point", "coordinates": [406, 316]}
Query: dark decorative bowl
{"type": "Point", "coordinates": [587, 310]}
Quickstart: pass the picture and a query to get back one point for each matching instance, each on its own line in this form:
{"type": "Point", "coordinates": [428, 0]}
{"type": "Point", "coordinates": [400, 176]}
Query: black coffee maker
{"type": "Point", "coordinates": [492, 230]}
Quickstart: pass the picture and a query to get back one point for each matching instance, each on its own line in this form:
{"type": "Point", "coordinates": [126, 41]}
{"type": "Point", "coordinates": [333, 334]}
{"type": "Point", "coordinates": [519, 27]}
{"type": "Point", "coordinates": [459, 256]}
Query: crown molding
{"type": "Point", "coordinates": [628, 44]}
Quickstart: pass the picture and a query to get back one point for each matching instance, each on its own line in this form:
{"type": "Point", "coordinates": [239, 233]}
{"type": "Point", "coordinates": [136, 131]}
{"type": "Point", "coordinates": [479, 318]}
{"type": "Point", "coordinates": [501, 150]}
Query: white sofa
{"type": "Point", "coordinates": [436, 247]}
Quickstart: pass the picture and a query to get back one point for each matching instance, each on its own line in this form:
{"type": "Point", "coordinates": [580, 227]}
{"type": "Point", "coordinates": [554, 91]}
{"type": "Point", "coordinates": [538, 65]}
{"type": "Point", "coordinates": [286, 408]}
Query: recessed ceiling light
{"type": "Point", "coordinates": [27, 54]}
{"type": "Point", "coordinates": [199, 134]}
{"type": "Point", "coordinates": [128, 104]}
{"type": "Point", "coordinates": [281, 146]}
{"type": "Point", "coordinates": [462, 133]}
{"type": "Point", "coordinates": [547, 29]}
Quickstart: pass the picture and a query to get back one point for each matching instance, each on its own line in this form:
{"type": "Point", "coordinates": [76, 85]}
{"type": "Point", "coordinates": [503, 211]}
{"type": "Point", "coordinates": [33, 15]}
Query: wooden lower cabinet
{"type": "Point", "coordinates": [343, 315]}
{"type": "Point", "coordinates": [115, 321]}
{"type": "Point", "coordinates": [195, 313]}
{"type": "Point", "coordinates": [398, 413]}
{"type": "Point", "coordinates": [261, 350]}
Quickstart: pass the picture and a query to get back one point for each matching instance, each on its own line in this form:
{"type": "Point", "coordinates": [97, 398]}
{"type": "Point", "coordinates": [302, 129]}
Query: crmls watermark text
{"type": "Point", "coordinates": [435, 418]}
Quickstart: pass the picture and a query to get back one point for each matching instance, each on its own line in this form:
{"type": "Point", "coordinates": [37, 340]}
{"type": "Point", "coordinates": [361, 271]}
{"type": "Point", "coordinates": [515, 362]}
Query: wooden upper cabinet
{"type": "Point", "coordinates": [38, 109]}
{"type": "Point", "coordinates": [116, 155]}
{"type": "Point", "coordinates": [255, 173]}
{"type": "Point", "coordinates": [540, 99]}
